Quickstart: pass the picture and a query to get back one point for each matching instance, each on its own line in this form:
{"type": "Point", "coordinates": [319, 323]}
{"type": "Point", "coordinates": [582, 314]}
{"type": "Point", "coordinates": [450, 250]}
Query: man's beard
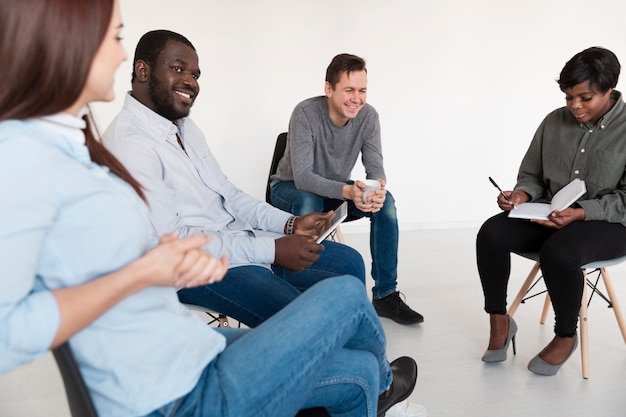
{"type": "Point", "coordinates": [163, 101]}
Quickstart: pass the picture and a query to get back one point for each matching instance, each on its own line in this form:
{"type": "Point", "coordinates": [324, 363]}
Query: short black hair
{"type": "Point", "coordinates": [152, 44]}
{"type": "Point", "coordinates": [597, 65]}
{"type": "Point", "coordinates": [343, 63]}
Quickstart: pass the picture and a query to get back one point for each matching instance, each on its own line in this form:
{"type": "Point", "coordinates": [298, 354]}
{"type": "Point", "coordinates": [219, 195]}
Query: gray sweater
{"type": "Point", "coordinates": [320, 156]}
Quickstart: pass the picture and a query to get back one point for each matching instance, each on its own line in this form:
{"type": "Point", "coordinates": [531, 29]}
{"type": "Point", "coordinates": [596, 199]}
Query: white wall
{"type": "Point", "coordinates": [460, 86]}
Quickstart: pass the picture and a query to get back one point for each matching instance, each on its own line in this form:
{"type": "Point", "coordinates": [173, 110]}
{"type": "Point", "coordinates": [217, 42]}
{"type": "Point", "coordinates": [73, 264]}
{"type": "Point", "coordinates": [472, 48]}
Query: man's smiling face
{"type": "Point", "coordinates": [173, 81]}
{"type": "Point", "coordinates": [347, 97]}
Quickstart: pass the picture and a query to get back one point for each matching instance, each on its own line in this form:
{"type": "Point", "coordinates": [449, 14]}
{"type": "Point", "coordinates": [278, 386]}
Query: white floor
{"type": "Point", "coordinates": [438, 276]}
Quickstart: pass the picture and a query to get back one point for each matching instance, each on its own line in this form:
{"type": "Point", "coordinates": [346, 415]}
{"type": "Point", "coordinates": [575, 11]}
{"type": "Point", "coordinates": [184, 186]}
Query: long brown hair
{"type": "Point", "coordinates": [46, 49]}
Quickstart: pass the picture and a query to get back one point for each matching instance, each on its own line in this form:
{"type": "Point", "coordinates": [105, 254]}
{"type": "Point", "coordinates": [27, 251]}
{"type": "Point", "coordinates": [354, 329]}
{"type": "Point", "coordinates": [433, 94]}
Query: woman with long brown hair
{"type": "Point", "coordinates": [80, 262]}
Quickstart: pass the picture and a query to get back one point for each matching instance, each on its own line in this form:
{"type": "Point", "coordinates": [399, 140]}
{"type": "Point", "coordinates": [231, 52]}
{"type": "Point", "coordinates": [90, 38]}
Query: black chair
{"type": "Point", "coordinates": [75, 389]}
{"type": "Point", "coordinates": [78, 396]}
{"type": "Point", "coordinates": [279, 151]}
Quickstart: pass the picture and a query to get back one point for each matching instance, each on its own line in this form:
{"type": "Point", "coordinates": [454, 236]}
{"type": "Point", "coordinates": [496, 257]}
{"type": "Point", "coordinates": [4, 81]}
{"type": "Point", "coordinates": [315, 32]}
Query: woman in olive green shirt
{"type": "Point", "coordinates": [586, 139]}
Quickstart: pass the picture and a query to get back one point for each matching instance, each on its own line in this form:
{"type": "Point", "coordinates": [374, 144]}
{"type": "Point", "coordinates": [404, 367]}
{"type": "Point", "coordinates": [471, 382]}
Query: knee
{"type": "Point", "coordinates": [355, 263]}
{"type": "Point", "coordinates": [348, 287]}
{"type": "Point", "coordinates": [489, 231]}
{"type": "Point", "coordinates": [389, 207]}
{"type": "Point", "coordinates": [348, 260]}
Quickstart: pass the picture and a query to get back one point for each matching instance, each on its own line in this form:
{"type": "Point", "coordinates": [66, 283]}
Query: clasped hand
{"type": "Point", "coordinates": [375, 199]}
{"type": "Point", "coordinates": [182, 263]}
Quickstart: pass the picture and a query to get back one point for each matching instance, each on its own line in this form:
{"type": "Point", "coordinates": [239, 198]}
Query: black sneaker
{"type": "Point", "coordinates": [394, 308]}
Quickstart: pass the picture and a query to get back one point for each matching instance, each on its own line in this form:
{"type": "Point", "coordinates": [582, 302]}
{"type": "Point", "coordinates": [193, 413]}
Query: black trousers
{"type": "Point", "coordinates": [561, 253]}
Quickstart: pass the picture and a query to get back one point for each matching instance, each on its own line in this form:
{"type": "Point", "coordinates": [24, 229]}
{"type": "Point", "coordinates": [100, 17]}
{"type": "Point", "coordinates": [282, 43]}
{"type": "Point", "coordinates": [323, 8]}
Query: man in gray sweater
{"type": "Point", "coordinates": [326, 135]}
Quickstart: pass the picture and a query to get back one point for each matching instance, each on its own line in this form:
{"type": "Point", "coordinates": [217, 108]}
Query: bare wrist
{"type": "Point", "coordinates": [345, 192]}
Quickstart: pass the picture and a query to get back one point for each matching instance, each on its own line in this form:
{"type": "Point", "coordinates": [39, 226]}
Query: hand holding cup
{"type": "Point", "coordinates": [370, 185]}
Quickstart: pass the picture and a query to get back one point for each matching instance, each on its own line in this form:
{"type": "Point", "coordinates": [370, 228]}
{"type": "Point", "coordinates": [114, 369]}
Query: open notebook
{"type": "Point", "coordinates": [564, 198]}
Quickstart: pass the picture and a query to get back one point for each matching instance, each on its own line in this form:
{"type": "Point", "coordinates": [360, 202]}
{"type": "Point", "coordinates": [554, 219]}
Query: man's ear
{"type": "Point", "coordinates": [142, 70]}
{"type": "Point", "coordinates": [327, 89]}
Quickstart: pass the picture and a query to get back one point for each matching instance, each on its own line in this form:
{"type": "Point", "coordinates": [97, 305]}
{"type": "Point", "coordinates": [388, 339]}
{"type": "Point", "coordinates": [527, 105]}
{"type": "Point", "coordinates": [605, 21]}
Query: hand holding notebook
{"type": "Point", "coordinates": [564, 198]}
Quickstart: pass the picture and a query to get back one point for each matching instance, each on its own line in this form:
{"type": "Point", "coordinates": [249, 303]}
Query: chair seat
{"type": "Point", "coordinates": [604, 264]}
{"type": "Point", "coordinates": [591, 265]}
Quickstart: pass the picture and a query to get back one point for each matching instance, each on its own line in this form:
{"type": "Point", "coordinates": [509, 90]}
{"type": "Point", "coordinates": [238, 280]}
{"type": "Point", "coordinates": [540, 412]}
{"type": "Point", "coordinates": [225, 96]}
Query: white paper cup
{"type": "Point", "coordinates": [370, 185]}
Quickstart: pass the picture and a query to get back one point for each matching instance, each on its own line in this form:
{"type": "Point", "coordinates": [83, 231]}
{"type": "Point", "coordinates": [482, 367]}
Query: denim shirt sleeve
{"type": "Point", "coordinates": [29, 315]}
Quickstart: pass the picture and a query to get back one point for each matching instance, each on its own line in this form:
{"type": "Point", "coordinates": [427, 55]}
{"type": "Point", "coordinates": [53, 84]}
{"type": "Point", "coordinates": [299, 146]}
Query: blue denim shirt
{"type": "Point", "coordinates": [187, 192]}
{"type": "Point", "coordinates": [64, 221]}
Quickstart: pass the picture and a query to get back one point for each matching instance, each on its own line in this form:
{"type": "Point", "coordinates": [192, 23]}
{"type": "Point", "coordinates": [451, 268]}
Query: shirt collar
{"type": "Point", "coordinates": [67, 124]}
{"type": "Point", "coordinates": [161, 124]}
{"type": "Point", "coordinates": [612, 114]}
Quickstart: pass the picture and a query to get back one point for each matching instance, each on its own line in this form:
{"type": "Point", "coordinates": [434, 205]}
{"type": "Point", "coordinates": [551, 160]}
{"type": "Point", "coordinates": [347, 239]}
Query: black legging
{"type": "Point", "coordinates": [561, 252]}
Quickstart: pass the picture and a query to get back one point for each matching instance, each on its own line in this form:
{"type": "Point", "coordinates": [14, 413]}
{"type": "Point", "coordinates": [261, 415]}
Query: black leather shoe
{"type": "Point", "coordinates": [404, 371]}
{"type": "Point", "coordinates": [394, 308]}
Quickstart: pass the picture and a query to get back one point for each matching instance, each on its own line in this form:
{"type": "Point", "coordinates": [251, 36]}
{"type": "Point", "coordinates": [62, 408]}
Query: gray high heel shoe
{"type": "Point", "coordinates": [541, 367]}
{"type": "Point", "coordinates": [499, 355]}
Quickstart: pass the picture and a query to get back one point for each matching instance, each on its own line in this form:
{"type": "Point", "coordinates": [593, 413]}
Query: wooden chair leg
{"type": "Point", "coordinates": [223, 321]}
{"type": "Point", "coordinates": [584, 333]}
{"type": "Point", "coordinates": [546, 307]}
{"type": "Point", "coordinates": [524, 289]}
{"type": "Point", "coordinates": [339, 235]}
{"type": "Point", "coordinates": [583, 314]}
{"type": "Point", "coordinates": [608, 284]}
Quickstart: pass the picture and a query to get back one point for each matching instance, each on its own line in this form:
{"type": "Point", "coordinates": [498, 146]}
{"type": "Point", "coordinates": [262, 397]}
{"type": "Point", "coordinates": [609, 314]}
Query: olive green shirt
{"type": "Point", "coordinates": [563, 149]}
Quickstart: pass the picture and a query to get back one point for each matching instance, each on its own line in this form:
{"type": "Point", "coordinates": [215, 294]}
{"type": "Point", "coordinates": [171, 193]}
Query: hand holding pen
{"type": "Point", "coordinates": [505, 196]}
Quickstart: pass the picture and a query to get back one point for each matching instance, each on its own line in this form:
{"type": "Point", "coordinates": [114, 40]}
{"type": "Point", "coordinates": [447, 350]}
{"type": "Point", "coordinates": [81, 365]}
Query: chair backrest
{"type": "Point", "coordinates": [279, 150]}
{"type": "Point", "coordinates": [75, 389]}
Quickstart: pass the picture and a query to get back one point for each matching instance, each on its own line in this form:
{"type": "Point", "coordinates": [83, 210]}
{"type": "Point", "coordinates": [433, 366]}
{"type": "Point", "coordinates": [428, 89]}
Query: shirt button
{"type": "Point", "coordinates": [577, 172]}
{"type": "Point", "coordinates": [582, 151]}
{"type": "Point", "coordinates": [590, 130]}
{"type": "Point", "coordinates": [602, 127]}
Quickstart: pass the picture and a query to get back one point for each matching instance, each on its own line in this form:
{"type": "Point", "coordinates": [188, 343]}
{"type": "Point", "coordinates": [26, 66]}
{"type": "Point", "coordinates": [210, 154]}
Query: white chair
{"type": "Point", "coordinates": [610, 298]}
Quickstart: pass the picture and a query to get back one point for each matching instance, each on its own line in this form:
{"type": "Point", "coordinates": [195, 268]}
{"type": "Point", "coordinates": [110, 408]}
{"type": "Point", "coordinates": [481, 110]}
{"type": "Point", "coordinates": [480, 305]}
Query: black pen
{"type": "Point", "coordinates": [506, 197]}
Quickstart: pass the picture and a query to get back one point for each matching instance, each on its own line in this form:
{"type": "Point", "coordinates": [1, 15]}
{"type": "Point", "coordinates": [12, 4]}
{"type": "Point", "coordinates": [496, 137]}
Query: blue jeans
{"type": "Point", "coordinates": [252, 294]}
{"type": "Point", "coordinates": [298, 360]}
{"type": "Point", "coordinates": [383, 229]}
